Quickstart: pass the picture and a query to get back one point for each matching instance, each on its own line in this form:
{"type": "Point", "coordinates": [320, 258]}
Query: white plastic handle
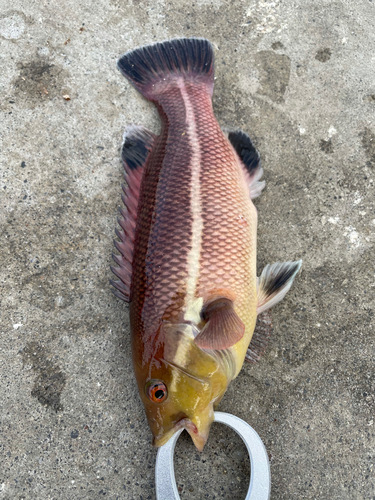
{"type": "Point", "coordinates": [260, 476]}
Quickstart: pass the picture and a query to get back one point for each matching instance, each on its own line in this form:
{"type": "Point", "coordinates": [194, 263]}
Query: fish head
{"type": "Point", "coordinates": [181, 387]}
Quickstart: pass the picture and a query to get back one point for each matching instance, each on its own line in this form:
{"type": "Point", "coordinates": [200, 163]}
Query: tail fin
{"type": "Point", "coordinates": [153, 67]}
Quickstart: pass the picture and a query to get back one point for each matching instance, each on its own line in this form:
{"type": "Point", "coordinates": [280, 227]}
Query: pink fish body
{"type": "Point", "coordinates": [188, 243]}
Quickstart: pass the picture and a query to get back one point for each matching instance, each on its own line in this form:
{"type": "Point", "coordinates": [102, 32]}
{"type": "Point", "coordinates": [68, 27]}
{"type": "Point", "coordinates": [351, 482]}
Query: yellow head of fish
{"type": "Point", "coordinates": [181, 386]}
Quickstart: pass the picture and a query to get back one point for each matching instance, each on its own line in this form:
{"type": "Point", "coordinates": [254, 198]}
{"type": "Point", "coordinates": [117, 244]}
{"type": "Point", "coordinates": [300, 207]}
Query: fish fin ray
{"type": "Point", "coordinates": [274, 283]}
{"type": "Point", "coordinates": [152, 68]}
{"type": "Point", "coordinates": [120, 295]}
{"type": "Point", "coordinates": [250, 159]}
{"type": "Point", "coordinates": [121, 288]}
{"type": "Point", "coordinates": [260, 338]}
{"type": "Point", "coordinates": [123, 274]}
{"type": "Point", "coordinates": [223, 329]}
{"type": "Point", "coordinates": [138, 142]}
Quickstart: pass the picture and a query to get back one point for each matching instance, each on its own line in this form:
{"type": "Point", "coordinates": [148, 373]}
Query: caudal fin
{"type": "Point", "coordinates": [152, 68]}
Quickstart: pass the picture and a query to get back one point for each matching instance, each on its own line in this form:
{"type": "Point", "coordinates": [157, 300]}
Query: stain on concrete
{"type": "Point", "coordinates": [40, 80]}
{"type": "Point", "coordinates": [368, 143]}
{"type": "Point", "coordinates": [44, 290]}
{"type": "Point", "coordinates": [277, 46]}
{"type": "Point", "coordinates": [369, 98]}
{"type": "Point", "coordinates": [274, 71]}
{"type": "Point", "coordinates": [323, 55]}
{"type": "Point", "coordinates": [326, 146]}
{"type": "Point", "coordinates": [50, 380]}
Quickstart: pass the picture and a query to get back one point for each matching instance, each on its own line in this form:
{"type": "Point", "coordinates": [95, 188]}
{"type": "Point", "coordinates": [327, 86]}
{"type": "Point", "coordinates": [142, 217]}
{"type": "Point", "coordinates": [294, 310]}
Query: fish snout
{"type": "Point", "coordinates": [199, 438]}
{"type": "Point", "coordinates": [186, 423]}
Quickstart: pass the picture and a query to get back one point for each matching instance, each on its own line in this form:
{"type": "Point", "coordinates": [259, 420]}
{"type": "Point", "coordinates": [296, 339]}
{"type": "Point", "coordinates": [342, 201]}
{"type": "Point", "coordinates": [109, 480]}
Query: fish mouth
{"type": "Point", "coordinates": [199, 439]}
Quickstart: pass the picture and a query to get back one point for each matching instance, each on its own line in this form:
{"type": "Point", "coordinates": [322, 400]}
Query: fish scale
{"type": "Point", "coordinates": [229, 236]}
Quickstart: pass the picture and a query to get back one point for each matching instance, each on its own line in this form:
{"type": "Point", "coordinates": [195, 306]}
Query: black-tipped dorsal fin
{"type": "Point", "coordinates": [274, 283]}
{"type": "Point", "coordinates": [137, 144]}
{"type": "Point", "coordinates": [152, 68]}
{"type": "Point", "coordinates": [223, 328]}
{"type": "Point", "coordinates": [260, 338]}
{"type": "Point", "coordinates": [250, 159]}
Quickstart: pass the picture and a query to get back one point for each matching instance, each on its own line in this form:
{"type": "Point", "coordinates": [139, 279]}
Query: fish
{"type": "Point", "coordinates": [187, 243]}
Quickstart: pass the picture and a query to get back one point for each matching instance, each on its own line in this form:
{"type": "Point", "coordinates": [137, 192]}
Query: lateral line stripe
{"type": "Point", "coordinates": [193, 258]}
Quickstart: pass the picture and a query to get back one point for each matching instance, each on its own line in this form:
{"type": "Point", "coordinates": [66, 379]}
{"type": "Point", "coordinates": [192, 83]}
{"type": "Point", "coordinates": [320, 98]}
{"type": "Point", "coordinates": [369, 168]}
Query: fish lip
{"type": "Point", "coordinates": [186, 423]}
{"type": "Point", "coordinates": [183, 423]}
{"type": "Point", "coordinates": [199, 438]}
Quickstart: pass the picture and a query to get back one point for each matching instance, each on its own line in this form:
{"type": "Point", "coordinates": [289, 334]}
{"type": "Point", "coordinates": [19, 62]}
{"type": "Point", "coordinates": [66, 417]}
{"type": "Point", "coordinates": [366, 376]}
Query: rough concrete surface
{"type": "Point", "coordinates": [299, 77]}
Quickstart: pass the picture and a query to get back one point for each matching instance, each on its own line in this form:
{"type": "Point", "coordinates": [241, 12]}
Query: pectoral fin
{"type": "Point", "coordinates": [223, 328]}
{"type": "Point", "coordinates": [274, 283]}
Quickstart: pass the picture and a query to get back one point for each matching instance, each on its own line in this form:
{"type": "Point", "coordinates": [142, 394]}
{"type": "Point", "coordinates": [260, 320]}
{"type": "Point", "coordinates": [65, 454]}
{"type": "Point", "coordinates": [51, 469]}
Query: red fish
{"type": "Point", "coordinates": [187, 263]}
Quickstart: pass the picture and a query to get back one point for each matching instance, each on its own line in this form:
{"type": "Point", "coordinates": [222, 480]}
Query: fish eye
{"type": "Point", "coordinates": [156, 391]}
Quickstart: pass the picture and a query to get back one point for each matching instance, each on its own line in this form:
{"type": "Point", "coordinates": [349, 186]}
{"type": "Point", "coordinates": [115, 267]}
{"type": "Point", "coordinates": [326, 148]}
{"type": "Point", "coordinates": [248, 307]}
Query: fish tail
{"type": "Point", "coordinates": [153, 68]}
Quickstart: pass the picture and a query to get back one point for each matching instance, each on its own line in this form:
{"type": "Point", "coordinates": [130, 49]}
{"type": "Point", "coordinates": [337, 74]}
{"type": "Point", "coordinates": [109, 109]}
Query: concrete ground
{"type": "Point", "coordinates": [299, 77]}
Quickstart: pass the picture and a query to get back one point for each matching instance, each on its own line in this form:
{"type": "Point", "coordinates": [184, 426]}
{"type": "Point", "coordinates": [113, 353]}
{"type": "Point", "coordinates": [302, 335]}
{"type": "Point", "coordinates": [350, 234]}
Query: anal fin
{"type": "Point", "coordinates": [250, 160]}
{"type": "Point", "coordinates": [261, 337]}
{"type": "Point", "coordinates": [223, 328]}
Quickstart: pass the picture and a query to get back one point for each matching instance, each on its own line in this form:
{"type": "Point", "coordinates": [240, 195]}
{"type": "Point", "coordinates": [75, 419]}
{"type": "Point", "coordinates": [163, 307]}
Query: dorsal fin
{"type": "Point", "coordinates": [223, 328]}
{"type": "Point", "coordinates": [137, 144]}
{"type": "Point", "coordinates": [250, 159]}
